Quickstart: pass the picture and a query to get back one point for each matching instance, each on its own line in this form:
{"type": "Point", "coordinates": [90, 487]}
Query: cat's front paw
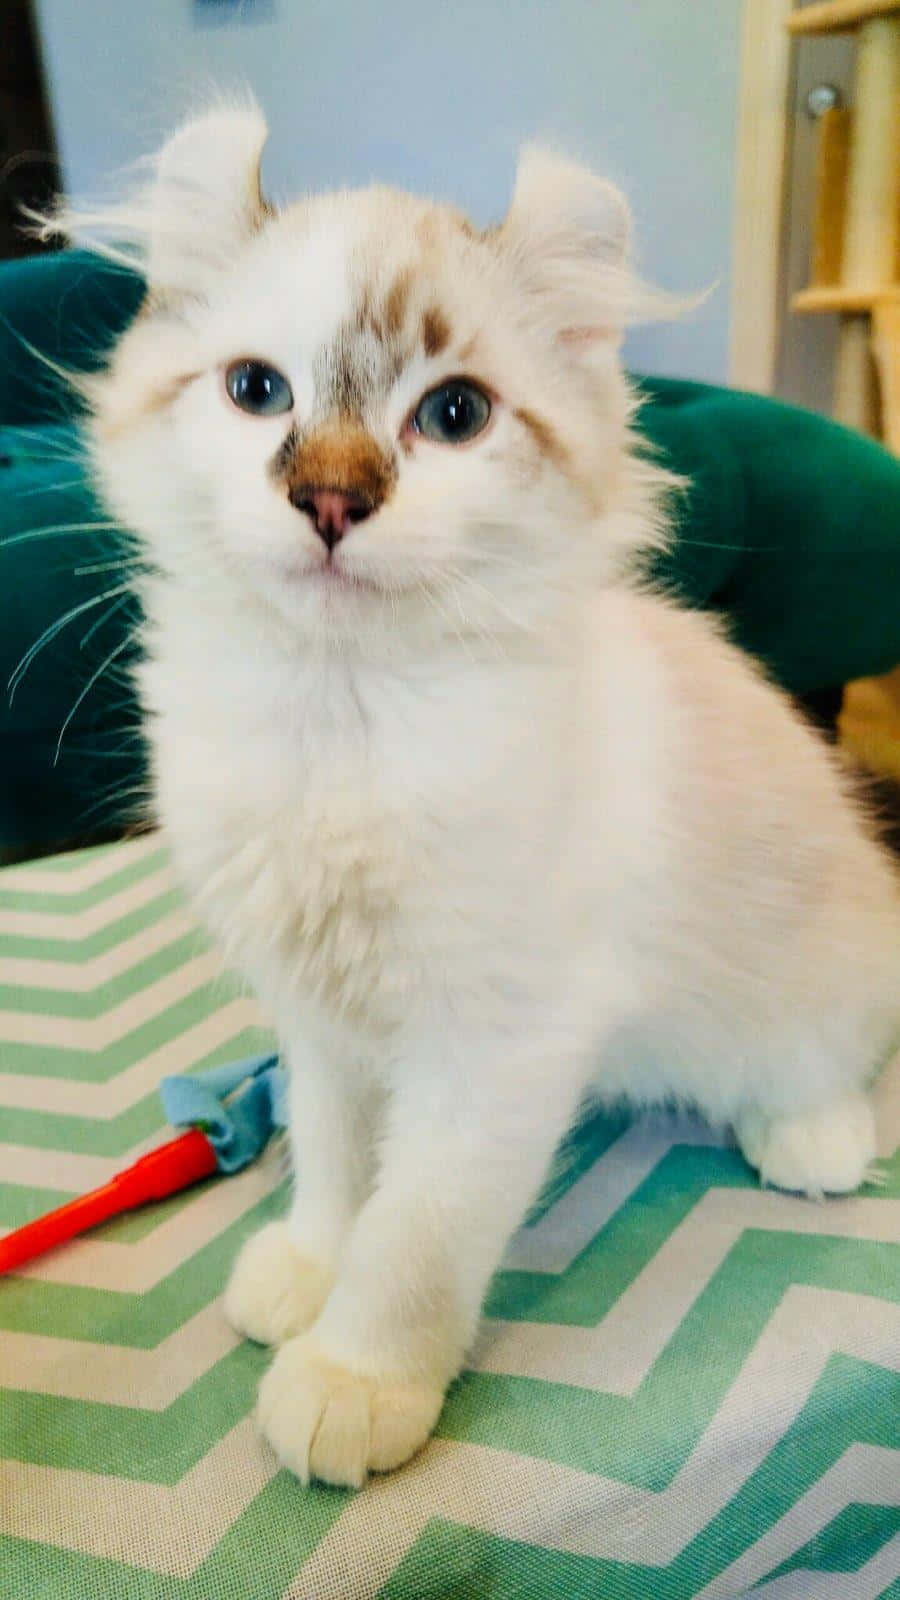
{"type": "Point", "coordinates": [324, 1421]}
{"type": "Point", "coordinates": [275, 1292]}
{"type": "Point", "coordinates": [828, 1150]}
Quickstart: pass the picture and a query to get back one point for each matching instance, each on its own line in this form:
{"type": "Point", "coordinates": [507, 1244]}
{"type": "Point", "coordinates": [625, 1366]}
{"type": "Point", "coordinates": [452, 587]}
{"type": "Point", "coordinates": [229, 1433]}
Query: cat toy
{"type": "Point", "coordinates": [230, 1113]}
{"type": "Point", "coordinates": [227, 1128]}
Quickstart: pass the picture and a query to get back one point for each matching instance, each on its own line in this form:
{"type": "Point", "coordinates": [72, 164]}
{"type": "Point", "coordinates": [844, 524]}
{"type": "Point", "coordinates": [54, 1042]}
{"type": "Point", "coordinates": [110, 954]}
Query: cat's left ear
{"type": "Point", "coordinates": [568, 235]}
{"type": "Point", "coordinates": [205, 200]}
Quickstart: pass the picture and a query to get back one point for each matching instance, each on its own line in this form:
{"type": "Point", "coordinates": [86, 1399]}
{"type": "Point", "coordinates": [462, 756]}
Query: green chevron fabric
{"type": "Point", "coordinates": [685, 1386]}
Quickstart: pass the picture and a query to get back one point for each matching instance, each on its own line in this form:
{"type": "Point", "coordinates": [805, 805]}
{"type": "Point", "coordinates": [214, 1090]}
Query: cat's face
{"type": "Point", "coordinates": [360, 416]}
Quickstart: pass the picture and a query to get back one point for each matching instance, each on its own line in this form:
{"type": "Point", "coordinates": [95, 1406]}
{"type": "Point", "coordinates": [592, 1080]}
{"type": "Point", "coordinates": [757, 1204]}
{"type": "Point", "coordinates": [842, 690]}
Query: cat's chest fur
{"type": "Point", "coordinates": [317, 880]}
{"type": "Point", "coordinates": [339, 835]}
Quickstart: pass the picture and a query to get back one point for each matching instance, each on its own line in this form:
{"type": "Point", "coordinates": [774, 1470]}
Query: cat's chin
{"type": "Point", "coordinates": [329, 597]}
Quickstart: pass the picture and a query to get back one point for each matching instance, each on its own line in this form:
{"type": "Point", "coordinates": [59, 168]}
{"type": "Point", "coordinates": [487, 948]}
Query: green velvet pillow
{"type": "Point", "coordinates": [790, 525]}
{"type": "Point", "coordinates": [61, 783]}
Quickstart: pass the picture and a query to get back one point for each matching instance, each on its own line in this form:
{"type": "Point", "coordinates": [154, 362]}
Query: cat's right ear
{"type": "Point", "coordinates": [204, 201]}
{"type": "Point", "coordinates": [183, 224]}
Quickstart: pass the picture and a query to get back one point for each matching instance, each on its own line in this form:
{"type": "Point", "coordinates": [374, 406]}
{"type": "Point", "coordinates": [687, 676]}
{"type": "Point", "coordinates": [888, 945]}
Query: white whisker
{"type": "Point", "coordinates": [87, 689]}
{"type": "Point", "coordinates": [50, 633]}
{"type": "Point", "coordinates": [96, 625]}
{"type": "Point", "coordinates": [431, 597]}
{"type": "Point", "coordinates": [57, 529]}
{"type": "Point", "coordinates": [134, 562]}
{"type": "Point", "coordinates": [49, 488]}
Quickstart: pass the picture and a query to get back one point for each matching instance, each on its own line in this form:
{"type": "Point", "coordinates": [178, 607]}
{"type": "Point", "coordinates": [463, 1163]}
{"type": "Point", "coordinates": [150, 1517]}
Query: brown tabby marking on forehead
{"type": "Point", "coordinates": [547, 441]}
{"type": "Point", "coordinates": [388, 323]}
{"type": "Point", "coordinates": [396, 302]}
{"type": "Point", "coordinates": [340, 456]}
{"type": "Point", "coordinates": [366, 318]}
{"type": "Point", "coordinates": [435, 331]}
{"type": "Point", "coordinates": [360, 360]}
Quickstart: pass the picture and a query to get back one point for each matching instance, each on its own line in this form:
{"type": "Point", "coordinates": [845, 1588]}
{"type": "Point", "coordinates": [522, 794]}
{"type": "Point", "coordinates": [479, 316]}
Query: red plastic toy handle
{"type": "Point", "coordinates": [174, 1166]}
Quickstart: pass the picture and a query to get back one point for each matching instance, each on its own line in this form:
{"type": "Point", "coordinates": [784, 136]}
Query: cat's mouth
{"type": "Point", "coordinates": [334, 578]}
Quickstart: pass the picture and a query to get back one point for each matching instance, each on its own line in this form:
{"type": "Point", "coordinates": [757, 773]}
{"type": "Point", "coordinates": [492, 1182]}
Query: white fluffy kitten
{"type": "Point", "coordinates": [487, 825]}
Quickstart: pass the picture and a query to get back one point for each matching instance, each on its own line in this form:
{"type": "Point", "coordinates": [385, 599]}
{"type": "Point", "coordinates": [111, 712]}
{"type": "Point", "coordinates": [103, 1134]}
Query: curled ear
{"type": "Point", "coordinates": [568, 234]}
{"type": "Point", "coordinates": [183, 224]}
{"type": "Point", "coordinates": [204, 201]}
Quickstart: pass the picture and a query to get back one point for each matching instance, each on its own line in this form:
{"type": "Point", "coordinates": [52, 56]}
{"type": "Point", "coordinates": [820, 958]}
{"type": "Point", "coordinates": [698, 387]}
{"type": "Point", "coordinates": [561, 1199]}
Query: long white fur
{"type": "Point", "coordinates": [502, 829]}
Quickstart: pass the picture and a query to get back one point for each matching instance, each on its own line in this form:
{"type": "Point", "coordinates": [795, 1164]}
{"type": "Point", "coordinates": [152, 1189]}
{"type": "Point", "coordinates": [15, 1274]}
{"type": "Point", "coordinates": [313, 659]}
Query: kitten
{"type": "Point", "coordinates": [489, 826]}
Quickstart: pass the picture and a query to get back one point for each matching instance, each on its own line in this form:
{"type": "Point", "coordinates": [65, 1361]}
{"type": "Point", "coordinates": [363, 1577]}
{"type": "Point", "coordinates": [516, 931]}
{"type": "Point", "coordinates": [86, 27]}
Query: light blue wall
{"type": "Point", "coordinates": [436, 98]}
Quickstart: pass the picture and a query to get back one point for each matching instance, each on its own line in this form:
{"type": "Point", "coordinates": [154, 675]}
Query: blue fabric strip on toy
{"type": "Point", "coordinates": [238, 1121]}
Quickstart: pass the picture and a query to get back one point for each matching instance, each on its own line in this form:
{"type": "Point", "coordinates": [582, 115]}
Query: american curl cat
{"type": "Point", "coordinates": [489, 826]}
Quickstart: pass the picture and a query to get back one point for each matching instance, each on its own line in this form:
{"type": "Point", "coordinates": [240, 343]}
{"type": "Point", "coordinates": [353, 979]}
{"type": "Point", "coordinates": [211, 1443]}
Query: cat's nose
{"type": "Point", "coordinates": [331, 511]}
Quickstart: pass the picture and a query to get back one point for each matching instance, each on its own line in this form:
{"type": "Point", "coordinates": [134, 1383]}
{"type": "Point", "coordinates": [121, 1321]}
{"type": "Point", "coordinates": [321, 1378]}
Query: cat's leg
{"type": "Point", "coordinates": [465, 1151]}
{"type": "Point", "coordinates": [827, 1149]}
{"type": "Point", "coordinates": [284, 1272]}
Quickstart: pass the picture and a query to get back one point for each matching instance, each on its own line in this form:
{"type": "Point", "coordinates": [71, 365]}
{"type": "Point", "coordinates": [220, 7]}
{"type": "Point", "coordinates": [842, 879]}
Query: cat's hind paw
{"type": "Point", "coordinates": [828, 1150]}
{"type": "Point", "coordinates": [324, 1421]}
{"type": "Point", "coordinates": [274, 1292]}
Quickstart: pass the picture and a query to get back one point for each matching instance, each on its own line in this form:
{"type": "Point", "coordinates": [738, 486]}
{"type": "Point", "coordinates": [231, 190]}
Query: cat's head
{"type": "Point", "coordinates": [363, 418]}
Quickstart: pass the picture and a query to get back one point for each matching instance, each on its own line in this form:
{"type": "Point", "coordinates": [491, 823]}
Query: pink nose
{"type": "Point", "coordinates": [331, 511]}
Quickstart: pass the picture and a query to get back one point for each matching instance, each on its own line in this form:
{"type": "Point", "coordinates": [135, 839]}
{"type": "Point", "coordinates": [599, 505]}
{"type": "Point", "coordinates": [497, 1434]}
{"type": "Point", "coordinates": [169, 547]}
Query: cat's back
{"type": "Point", "coordinates": [749, 820]}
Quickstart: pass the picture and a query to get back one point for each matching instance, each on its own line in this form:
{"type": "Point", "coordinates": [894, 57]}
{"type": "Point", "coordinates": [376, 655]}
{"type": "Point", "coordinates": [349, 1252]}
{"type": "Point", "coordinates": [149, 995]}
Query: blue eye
{"type": "Point", "coordinates": [453, 413]}
{"type": "Point", "coordinates": [255, 386]}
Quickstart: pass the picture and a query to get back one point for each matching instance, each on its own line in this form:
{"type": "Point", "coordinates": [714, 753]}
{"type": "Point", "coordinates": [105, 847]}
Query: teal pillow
{"type": "Point", "coordinates": [63, 311]}
{"type": "Point", "coordinates": [790, 527]}
{"type": "Point", "coordinates": [71, 757]}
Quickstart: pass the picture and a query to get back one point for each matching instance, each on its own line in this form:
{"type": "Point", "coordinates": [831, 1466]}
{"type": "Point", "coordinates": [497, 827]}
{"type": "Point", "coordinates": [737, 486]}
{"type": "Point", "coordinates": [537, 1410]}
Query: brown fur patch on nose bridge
{"type": "Point", "coordinates": [341, 456]}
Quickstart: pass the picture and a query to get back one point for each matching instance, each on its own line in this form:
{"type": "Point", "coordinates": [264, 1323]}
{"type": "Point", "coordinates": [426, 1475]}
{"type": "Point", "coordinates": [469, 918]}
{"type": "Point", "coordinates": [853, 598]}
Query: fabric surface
{"type": "Point", "coordinates": [685, 1386]}
{"type": "Point", "coordinates": [790, 527]}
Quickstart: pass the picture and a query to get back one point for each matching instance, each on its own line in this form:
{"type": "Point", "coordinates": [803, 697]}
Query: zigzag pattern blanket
{"type": "Point", "coordinates": [685, 1386]}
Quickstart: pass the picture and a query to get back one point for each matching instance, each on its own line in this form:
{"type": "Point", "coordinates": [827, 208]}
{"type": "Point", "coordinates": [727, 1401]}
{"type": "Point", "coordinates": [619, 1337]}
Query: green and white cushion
{"type": "Point", "coordinates": [685, 1385]}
